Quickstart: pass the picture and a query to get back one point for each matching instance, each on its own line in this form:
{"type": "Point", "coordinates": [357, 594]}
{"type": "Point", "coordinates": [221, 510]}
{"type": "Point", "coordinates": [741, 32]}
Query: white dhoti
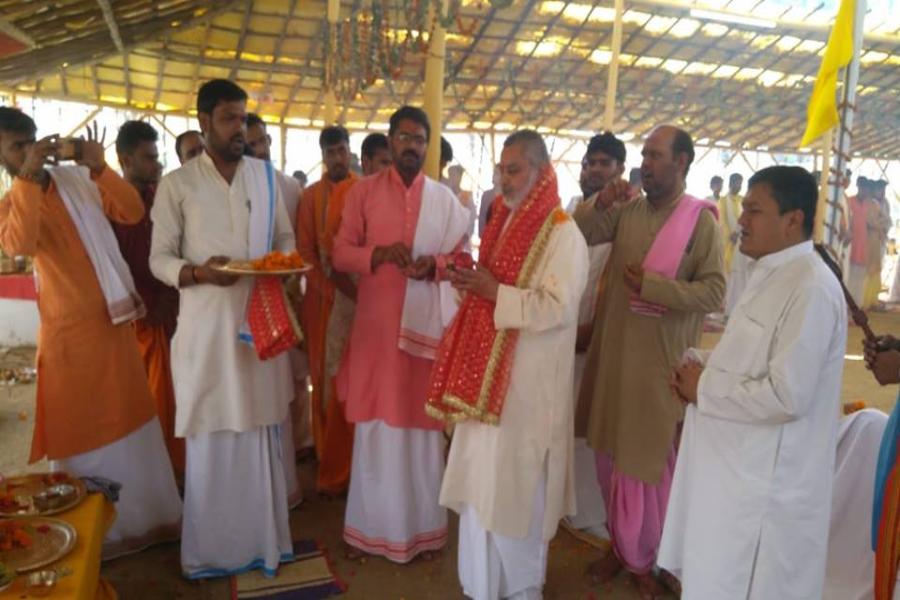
{"type": "Point", "coordinates": [289, 461]}
{"type": "Point", "coordinates": [591, 515]}
{"type": "Point", "coordinates": [737, 280]}
{"type": "Point", "coordinates": [894, 296]}
{"type": "Point", "coordinates": [850, 571]}
{"type": "Point", "coordinates": [591, 511]}
{"type": "Point", "coordinates": [149, 509]}
{"type": "Point", "coordinates": [235, 504]}
{"type": "Point", "coordinates": [493, 566]}
{"type": "Point", "coordinates": [856, 282]}
{"type": "Point", "coordinates": [395, 481]}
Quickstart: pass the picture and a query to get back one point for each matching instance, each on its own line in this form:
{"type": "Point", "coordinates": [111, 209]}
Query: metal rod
{"type": "Point", "coordinates": [612, 81]}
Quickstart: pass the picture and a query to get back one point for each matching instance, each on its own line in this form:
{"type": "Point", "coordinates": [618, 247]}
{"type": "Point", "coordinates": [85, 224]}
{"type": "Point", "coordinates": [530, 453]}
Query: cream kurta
{"type": "Point", "coordinates": [729, 212]}
{"type": "Point", "coordinates": [290, 193]}
{"type": "Point", "coordinates": [495, 469]}
{"type": "Point", "coordinates": [631, 356]}
{"type": "Point", "coordinates": [750, 506]}
{"type": "Point", "coordinates": [220, 383]}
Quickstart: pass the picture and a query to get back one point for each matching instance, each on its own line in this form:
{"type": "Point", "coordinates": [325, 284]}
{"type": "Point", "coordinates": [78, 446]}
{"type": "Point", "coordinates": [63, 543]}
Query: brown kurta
{"type": "Point", "coordinates": [632, 414]}
{"type": "Point", "coordinates": [92, 389]}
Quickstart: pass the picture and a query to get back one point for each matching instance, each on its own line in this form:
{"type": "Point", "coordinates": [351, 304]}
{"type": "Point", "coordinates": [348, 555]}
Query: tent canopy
{"type": "Point", "coordinates": [737, 74]}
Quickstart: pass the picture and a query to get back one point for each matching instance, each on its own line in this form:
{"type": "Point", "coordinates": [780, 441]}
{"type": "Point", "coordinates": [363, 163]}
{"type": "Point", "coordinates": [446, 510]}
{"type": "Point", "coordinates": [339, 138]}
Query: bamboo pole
{"type": "Point", "coordinates": [329, 113]}
{"type": "Point", "coordinates": [283, 146]}
{"type": "Point", "coordinates": [612, 81]}
{"type": "Point", "coordinates": [164, 126]}
{"type": "Point", "coordinates": [433, 93]}
{"type": "Point", "coordinates": [834, 175]}
{"type": "Point", "coordinates": [822, 206]}
{"type": "Point", "coordinates": [83, 122]}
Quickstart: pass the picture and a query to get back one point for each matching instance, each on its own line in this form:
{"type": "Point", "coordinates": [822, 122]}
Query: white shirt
{"type": "Point", "coordinates": [220, 383]}
{"type": "Point", "coordinates": [290, 192]}
{"type": "Point", "coordinates": [749, 509]}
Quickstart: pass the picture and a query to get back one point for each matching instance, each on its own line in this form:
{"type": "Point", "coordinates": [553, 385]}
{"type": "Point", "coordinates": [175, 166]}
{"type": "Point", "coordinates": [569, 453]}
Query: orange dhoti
{"type": "Point", "coordinates": [318, 219]}
{"type": "Point", "coordinates": [337, 448]}
{"type": "Point", "coordinates": [154, 346]}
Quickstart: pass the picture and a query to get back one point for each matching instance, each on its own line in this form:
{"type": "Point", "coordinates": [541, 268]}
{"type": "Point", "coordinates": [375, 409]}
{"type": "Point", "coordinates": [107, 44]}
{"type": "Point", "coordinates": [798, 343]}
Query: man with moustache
{"type": "Point", "coordinates": [139, 159]}
{"type": "Point", "coordinates": [317, 222]}
{"type": "Point", "coordinates": [188, 145]}
{"type": "Point", "coordinates": [230, 404]}
{"type": "Point", "coordinates": [398, 231]}
{"type": "Point", "coordinates": [665, 275]}
{"type": "Point", "coordinates": [509, 469]}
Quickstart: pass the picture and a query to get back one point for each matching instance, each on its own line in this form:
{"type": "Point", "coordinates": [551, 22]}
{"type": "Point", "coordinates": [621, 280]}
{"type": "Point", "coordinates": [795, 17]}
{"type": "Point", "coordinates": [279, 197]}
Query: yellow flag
{"type": "Point", "coordinates": [821, 114]}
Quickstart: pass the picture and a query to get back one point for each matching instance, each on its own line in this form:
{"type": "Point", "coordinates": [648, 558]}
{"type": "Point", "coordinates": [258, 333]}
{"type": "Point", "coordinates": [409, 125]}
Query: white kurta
{"type": "Point", "coordinates": [737, 280]}
{"type": "Point", "coordinates": [851, 561]}
{"type": "Point", "coordinates": [895, 287]}
{"type": "Point", "coordinates": [749, 510]}
{"type": "Point", "coordinates": [495, 469]}
{"type": "Point", "coordinates": [220, 383]}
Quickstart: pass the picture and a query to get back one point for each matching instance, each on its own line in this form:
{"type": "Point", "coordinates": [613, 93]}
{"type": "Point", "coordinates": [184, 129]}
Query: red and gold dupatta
{"type": "Point", "coordinates": [471, 373]}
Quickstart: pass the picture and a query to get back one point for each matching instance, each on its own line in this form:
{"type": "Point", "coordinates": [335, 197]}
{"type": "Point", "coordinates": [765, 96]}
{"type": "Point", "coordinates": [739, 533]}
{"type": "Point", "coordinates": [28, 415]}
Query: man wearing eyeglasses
{"type": "Point", "coordinates": [399, 232]}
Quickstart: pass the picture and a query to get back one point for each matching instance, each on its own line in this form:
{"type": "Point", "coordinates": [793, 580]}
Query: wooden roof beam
{"type": "Point", "coordinates": [110, 17]}
{"type": "Point", "coordinates": [242, 39]}
{"type": "Point", "coordinates": [276, 55]}
{"type": "Point", "coordinates": [94, 48]}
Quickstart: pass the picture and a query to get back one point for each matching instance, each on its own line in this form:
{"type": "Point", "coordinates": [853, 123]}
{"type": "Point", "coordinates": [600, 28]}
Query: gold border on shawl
{"type": "Point", "coordinates": [525, 274]}
{"type": "Point", "coordinates": [479, 412]}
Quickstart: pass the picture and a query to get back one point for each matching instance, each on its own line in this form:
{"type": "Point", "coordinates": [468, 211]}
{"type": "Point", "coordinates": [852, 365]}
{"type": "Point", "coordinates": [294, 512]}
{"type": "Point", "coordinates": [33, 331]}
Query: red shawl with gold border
{"type": "Point", "coordinates": [470, 376]}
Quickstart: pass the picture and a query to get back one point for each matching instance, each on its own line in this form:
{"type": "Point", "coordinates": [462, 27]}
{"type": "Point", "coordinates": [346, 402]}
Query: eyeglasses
{"type": "Point", "coordinates": [408, 138]}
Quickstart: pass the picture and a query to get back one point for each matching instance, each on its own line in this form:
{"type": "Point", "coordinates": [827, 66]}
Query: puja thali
{"type": "Point", "coordinates": [245, 267]}
{"type": "Point", "coordinates": [40, 494]}
{"type": "Point", "coordinates": [48, 541]}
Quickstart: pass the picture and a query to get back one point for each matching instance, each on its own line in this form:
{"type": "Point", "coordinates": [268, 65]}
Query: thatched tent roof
{"type": "Point", "coordinates": [728, 78]}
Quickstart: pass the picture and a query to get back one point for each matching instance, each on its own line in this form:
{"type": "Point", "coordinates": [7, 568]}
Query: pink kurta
{"type": "Point", "coordinates": [376, 379]}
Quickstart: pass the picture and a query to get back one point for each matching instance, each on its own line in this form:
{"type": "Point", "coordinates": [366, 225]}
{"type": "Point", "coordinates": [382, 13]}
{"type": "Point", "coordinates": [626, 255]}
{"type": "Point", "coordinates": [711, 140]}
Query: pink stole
{"type": "Point", "coordinates": [668, 247]}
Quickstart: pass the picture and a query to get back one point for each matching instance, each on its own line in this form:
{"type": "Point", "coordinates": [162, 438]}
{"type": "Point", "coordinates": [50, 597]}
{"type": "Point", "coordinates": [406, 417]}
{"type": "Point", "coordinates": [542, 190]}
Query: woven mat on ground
{"type": "Point", "coordinates": [308, 577]}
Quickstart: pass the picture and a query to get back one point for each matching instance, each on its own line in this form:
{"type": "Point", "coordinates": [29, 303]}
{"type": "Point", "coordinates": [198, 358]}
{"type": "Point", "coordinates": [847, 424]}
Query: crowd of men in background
{"type": "Point", "coordinates": [710, 473]}
{"type": "Point", "coordinates": [861, 233]}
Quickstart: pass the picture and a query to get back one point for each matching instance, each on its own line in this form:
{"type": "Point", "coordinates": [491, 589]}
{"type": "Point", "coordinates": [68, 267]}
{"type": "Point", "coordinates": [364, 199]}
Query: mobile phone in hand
{"type": "Point", "coordinates": [70, 149]}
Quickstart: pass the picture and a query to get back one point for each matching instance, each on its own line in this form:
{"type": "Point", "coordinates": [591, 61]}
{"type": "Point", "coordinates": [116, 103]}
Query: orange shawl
{"type": "Point", "coordinates": [471, 373]}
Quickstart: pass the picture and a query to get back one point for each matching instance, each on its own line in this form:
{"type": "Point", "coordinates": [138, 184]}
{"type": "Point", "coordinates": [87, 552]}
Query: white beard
{"type": "Point", "coordinates": [513, 201]}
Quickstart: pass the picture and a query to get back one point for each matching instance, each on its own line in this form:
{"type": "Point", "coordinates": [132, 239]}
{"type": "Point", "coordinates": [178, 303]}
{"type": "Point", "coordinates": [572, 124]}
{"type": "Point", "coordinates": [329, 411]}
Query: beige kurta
{"type": "Point", "coordinates": [496, 469]}
{"type": "Point", "coordinates": [598, 256]}
{"type": "Point", "coordinates": [631, 356]}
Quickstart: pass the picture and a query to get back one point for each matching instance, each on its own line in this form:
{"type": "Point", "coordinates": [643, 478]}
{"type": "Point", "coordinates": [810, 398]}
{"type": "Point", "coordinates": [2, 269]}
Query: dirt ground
{"type": "Point", "coordinates": [155, 574]}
